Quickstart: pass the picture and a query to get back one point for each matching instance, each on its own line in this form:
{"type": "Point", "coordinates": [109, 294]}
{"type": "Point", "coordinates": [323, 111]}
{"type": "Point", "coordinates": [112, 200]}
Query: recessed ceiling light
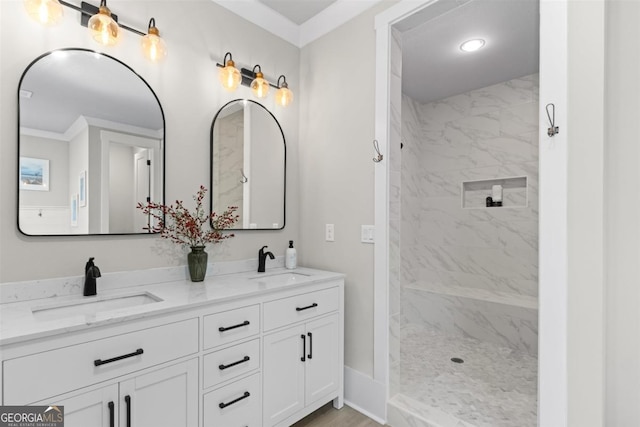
{"type": "Point", "coordinates": [472, 45]}
{"type": "Point", "coordinates": [25, 93]}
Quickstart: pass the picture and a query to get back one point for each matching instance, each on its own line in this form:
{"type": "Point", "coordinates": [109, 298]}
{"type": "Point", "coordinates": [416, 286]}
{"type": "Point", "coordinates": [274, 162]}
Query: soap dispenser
{"type": "Point", "coordinates": [290, 257]}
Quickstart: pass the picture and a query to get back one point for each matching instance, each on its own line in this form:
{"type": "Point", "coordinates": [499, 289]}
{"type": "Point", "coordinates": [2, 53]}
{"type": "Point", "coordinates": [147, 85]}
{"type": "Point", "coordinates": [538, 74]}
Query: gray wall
{"type": "Point", "coordinates": [622, 214]}
{"type": "Point", "coordinates": [336, 187]}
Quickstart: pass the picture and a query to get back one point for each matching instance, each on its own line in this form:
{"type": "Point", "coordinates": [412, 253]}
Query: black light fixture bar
{"type": "Point", "coordinates": [87, 10]}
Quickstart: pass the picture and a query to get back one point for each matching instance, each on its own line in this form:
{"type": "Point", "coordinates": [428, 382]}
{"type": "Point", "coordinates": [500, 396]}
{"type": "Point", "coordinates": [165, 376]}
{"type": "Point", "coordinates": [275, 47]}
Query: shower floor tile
{"type": "Point", "coordinates": [494, 387]}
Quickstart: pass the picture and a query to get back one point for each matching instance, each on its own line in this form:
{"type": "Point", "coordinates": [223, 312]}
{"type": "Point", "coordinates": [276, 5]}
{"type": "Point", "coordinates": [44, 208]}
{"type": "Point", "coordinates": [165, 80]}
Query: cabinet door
{"type": "Point", "coordinates": [283, 374]}
{"type": "Point", "coordinates": [166, 397]}
{"type": "Point", "coordinates": [97, 408]}
{"type": "Point", "coordinates": [322, 369]}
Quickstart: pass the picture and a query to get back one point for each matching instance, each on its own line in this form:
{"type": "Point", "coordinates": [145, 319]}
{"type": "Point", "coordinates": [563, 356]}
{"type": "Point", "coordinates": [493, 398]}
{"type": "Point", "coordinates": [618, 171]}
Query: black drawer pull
{"type": "Point", "coordinates": [112, 419]}
{"type": "Point", "coordinates": [127, 399]}
{"type": "Point", "coordinates": [99, 362]}
{"type": "Point", "coordinates": [239, 325]}
{"type": "Point", "coordinates": [307, 307]}
{"type": "Point", "coordinates": [244, 359]}
{"type": "Point", "coordinates": [244, 396]}
{"type": "Point", "coordinates": [310, 356]}
{"type": "Point", "coordinates": [304, 348]}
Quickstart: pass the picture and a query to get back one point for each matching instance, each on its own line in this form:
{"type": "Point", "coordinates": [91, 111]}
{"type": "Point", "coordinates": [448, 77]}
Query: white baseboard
{"type": "Point", "coordinates": [365, 395]}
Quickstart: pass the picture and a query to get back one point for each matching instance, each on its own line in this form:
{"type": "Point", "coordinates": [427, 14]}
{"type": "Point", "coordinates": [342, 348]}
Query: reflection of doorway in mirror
{"type": "Point", "coordinates": [130, 175]}
{"type": "Point", "coordinates": [142, 184]}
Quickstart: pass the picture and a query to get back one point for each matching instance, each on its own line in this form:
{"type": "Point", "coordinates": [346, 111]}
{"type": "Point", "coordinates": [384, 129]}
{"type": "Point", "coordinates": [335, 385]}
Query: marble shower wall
{"type": "Point", "coordinates": [487, 133]}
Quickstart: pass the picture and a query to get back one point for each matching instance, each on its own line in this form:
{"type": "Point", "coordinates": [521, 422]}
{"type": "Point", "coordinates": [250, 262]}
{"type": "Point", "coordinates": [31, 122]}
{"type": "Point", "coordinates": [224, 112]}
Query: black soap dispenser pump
{"type": "Point", "coordinates": [291, 257]}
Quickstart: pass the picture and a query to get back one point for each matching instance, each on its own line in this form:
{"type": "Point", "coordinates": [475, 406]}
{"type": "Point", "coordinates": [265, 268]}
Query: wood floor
{"type": "Point", "coordinates": [327, 416]}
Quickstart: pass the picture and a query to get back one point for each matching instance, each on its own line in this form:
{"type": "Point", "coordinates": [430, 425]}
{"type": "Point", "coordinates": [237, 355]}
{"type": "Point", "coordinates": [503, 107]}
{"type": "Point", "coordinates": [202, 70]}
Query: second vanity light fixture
{"type": "Point", "coordinates": [103, 26]}
{"type": "Point", "coordinates": [230, 78]}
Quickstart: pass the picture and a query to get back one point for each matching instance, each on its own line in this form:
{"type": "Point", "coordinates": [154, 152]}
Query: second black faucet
{"type": "Point", "coordinates": [262, 258]}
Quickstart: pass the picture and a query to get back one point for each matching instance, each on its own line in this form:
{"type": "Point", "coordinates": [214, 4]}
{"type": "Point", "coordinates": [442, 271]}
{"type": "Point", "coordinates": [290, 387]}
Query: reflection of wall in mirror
{"type": "Point", "coordinates": [46, 211]}
{"type": "Point", "coordinates": [79, 162]}
{"type": "Point", "coordinates": [228, 152]}
{"type": "Point", "coordinates": [267, 154]}
{"type": "Point", "coordinates": [121, 192]}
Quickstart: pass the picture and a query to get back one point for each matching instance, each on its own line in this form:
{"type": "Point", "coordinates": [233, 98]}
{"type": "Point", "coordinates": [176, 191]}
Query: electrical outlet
{"type": "Point", "coordinates": [367, 234]}
{"type": "Point", "coordinates": [329, 234]}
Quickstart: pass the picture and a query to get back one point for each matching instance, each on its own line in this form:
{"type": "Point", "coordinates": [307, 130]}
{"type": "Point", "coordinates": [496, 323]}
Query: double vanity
{"type": "Point", "coordinates": [242, 349]}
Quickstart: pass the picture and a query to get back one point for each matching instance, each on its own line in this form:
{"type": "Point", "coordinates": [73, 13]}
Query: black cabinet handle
{"type": "Point", "coordinates": [127, 399]}
{"type": "Point", "coordinates": [244, 359]}
{"type": "Point", "coordinates": [112, 419]}
{"type": "Point", "coordinates": [310, 356]}
{"type": "Point", "coordinates": [307, 307]}
{"type": "Point", "coordinates": [223, 405]}
{"type": "Point", "coordinates": [304, 348]}
{"type": "Point", "coordinates": [239, 325]}
{"type": "Point", "coordinates": [99, 362]}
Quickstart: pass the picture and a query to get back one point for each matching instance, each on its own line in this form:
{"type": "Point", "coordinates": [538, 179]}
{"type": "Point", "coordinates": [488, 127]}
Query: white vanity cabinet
{"type": "Point", "coordinates": [110, 377]}
{"type": "Point", "coordinates": [302, 363]}
{"type": "Point", "coordinates": [265, 355]}
{"type": "Point", "coordinates": [166, 396]}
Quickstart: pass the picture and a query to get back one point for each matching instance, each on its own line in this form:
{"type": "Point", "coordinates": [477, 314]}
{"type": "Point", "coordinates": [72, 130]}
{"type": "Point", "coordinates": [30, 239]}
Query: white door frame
{"type": "Point", "coordinates": [553, 256]}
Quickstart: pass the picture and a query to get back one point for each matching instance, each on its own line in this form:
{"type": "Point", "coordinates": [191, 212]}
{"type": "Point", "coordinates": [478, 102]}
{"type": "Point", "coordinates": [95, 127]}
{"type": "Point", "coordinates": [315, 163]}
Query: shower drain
{"type": "Point", "coordinates": [457, 360]}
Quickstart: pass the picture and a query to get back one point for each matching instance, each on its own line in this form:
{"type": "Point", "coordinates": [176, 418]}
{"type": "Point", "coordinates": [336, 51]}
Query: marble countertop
{"type": "Point", "coordinates": [18, 322]}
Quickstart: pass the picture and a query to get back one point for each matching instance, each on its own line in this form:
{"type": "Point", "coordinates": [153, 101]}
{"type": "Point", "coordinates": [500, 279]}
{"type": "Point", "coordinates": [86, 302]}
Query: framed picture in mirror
{"type": "Point", "coordinates": [34, 174]}
{"type": "Point", "coordinates": [82, 189]}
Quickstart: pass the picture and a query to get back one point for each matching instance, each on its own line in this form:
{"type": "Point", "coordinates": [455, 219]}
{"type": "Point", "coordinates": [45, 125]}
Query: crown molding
{"type": "Point", "coordinates": [298, 35]}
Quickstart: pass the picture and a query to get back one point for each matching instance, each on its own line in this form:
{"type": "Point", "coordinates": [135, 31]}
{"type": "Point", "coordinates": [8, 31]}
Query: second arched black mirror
{"type": "Point", "coordinates": [248, 165]}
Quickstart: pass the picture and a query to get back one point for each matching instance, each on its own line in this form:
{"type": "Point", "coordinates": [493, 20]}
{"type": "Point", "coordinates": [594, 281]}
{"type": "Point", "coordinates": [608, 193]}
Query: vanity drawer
{"type": "Point", "coordinates": [231, 362]}
{"type": "Point", "coordinates": [228, 326]}
{"type": "Point", "coordinates": [38, 376]}
{"type": "Point", "coordinates": [300, 307]}
{"type": "Point", "coordinates": [241, 401]}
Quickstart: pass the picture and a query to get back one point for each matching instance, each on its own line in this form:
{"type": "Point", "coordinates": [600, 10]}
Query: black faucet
{"type": "Point", "coordinates": [262, 258]}
{"type": "Point", "coordinates": [91, 272]}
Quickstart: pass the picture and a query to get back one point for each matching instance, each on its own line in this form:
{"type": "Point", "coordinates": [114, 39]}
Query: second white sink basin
{"type": "Point", "coordinates": [286, 278]}
{"type": "Point", "coordinates": [92, 305]}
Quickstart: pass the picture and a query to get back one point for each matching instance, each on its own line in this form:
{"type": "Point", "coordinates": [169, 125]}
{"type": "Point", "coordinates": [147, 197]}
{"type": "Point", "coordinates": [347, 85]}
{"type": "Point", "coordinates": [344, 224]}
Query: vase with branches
{"type": "Point", "coordinates": [194, 229]}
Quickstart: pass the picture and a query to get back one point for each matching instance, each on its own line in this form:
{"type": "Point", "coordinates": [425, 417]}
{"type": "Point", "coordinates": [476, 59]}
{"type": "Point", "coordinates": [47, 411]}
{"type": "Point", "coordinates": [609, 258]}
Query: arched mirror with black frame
{"type": "Point", "coordinates": [91, 146]}
{"type": "Point", "coordinates": [248, 165]}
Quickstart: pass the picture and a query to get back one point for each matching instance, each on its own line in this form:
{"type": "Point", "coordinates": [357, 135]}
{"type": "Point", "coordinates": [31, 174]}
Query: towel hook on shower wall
{"type": "Point", "coordinates": [553, 130]}
{"type": "Point", "coordinates": [379, 157]}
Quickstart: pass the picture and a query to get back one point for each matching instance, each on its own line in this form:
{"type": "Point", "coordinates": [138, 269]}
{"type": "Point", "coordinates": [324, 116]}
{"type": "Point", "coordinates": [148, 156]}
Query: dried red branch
{"type": "Point", "coordinates": [181, 226]}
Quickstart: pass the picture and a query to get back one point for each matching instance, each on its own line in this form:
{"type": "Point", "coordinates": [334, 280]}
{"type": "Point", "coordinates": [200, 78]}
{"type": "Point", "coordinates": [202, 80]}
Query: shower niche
{"type": "Point", "coordinates": [512, 193]}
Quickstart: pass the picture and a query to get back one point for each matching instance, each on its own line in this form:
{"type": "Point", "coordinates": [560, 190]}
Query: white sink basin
{"type": "Point", "coordinates": [287, 278]}
{"type": "Point", "coordinates": [92, 305]}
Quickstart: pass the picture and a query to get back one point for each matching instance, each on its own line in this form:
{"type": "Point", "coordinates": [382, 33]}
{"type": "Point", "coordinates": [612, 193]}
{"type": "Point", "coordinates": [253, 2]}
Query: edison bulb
{"type": "Point", "coordinates": [284, 96]}
{"type": "Point", "coordinates": [103, 28]}
{"type": "Point", "coordinates": [46, 12]}
{"type": "Point", "coordinates": [229, 76]}
{"type": "Point", "coordinates": [259, 86]}
{"type": "Point", "coordinates": [153, 47]}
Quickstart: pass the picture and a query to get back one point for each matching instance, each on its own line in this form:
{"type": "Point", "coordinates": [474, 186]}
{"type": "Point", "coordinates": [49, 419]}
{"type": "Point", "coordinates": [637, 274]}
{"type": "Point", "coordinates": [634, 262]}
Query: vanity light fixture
{"type": "Point", "coordinates": [103, 28]}
{"type": "Point", "coordinates": [284, 96]}
{"type": "Point", "coordinates": [46, 12]}
{"type": "Point", "coordinates": [103, 25]}
{"type": "Point", "coordinates": [229, 75]}
{"type": "Point", "coordinates": [259, 86]}
{"type": "Point", "coordinates": [231, 78]}
{"type": "Point", "coordinates": [153, 47]}
{"type": "Point", "coordinates": [472, 45]}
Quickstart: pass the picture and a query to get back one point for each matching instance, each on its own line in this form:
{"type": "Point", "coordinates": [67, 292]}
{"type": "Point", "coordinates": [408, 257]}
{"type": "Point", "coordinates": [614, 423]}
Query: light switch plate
{"type": "Point", "coordinates": [329, 235]}
{"type": "Point", "coordinates": [367, 233]}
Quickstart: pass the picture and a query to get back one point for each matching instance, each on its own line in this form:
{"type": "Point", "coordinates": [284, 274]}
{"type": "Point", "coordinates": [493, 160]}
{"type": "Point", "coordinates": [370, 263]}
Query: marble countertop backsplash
{"type": "Point", "coordinates": [225, 281]}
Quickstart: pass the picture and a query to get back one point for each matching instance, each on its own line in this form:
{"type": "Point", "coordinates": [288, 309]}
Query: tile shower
{"type": "Point", "coordinates": [468, 277]}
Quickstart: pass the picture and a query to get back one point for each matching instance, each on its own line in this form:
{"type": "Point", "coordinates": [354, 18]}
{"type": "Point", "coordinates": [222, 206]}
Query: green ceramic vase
{"type": "Point", "coordinates": [197, 260]}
